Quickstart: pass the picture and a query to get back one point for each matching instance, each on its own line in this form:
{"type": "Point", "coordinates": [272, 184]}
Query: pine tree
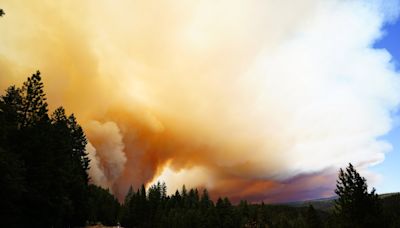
{"type": "Point", "coordinates": [205, 201]}
{"type": "Point", "coordinates": [163, 190]}
{"type": "Point", "coordinates": [11, 109]}
{"type": "Point", "coordinates": [104, 207]}
{"type": "Point", "coordinates": [45, 158]}
{"type": "Point", "coordinates": [73, 161]}
{"type": "Point", "coordinates": [356, 207]}
{"type": "Point", "coordinates": [34, 101]}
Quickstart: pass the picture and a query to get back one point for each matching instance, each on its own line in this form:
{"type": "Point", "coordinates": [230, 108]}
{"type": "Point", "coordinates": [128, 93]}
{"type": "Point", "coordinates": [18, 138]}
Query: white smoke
{"type": "Point", "coordinates": [317, 98]}
{"type": "Point", "coordinates": [107, 157]}
{"type": "Point", "coordinates": [330, 94]}
{"type": "Point", "coordinates": [95, 171]}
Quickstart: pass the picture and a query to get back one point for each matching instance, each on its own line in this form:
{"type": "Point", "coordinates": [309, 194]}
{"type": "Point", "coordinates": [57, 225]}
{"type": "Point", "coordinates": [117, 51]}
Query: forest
{"type": "Point", "coordinates": [44, 183]}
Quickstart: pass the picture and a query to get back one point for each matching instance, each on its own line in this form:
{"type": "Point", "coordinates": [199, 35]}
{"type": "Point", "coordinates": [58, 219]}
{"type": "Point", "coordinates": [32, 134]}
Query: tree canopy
{"type": "Point", "coordinates": [43, 158]}
{"type": "Point", "coordinates": [356, 207]}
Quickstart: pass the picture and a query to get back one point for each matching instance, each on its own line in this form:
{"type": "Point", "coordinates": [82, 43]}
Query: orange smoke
{"type": "Point", "coordinates": [250, 99]}
{"type": "Point", "coordinates": [150, 150]}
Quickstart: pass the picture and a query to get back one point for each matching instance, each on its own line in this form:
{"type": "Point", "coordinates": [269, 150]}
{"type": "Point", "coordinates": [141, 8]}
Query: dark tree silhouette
{"type": "Point", "coordinates": [34, 105]}
{"type": "Point", "coordinates": [43, 159]}
{"type": "Point", "coordinates": [103, 206]}
{"type": "Point", "coordinates": [391, 209]}
{"type": "Point", "coordinates": [312, 218]}
{"type": "Point", "coordinates": [356, 207]}
{"type": "Point", "coordinates": [2, 13]}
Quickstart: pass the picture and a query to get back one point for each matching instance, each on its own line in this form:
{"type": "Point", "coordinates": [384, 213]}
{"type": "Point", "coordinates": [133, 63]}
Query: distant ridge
{"type": "Point", "coordinates": [324, 204]}
{"type": "Point", "coordinates": [384, 195]}
{"type": "Point", "coordinates": [327, 204]}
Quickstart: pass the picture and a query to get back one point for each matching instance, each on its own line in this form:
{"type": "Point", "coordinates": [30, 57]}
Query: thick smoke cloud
{"type": "Point", "coordinates": [96, 172]}
{"type": "Point", "coordinates": [261, 100]}
{"type": "Point", "coordinates": [107, 157]}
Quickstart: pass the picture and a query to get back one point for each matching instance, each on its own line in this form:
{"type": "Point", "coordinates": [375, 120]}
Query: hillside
{"type": "Point", "coordinates": [327, 204]}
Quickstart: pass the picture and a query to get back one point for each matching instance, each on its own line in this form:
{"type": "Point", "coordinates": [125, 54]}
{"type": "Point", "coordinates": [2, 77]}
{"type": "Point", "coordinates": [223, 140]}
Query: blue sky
{"type": "Point", "coordinates": [390, 168]}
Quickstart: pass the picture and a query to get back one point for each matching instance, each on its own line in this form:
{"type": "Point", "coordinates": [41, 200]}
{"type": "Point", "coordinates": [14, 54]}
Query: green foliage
{"type": "Point", "coordinates": [356, 207]}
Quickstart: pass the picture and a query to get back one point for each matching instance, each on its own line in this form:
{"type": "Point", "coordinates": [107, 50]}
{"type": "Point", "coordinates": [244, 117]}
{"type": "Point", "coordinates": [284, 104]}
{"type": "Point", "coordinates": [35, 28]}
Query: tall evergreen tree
{"type": "Point", "coordinates": [205, 201]}
{"type": "Point", "coordinates": [11, 111]}
{"type": "Point", "coordinates": [12, 178]}
{"type": "Point", "coordinates": [103, 207]}
{"type": "Point", "coordinates": [356, 207]}
{"type": "Point", "coordinates": [34, 102]}
{"type": "Point", "coordinates": [45, 158]}
{"type": "Point", "coordinates": [71, 149]}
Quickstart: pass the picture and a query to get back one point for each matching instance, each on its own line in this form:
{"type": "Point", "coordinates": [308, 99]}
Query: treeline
{"type": "Point", "coordinates": [354, 207]}
{"type": "Point", "coordinates": [103, 207]}
{"type": "Point", "coordinates": [190, 208]}
{"type": "Point", "coordinates": [193, 208]}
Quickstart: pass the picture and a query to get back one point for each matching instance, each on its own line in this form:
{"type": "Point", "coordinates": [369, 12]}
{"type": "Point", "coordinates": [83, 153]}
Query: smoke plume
{"type": "Point", "coordinates": [108, 157]}
{"type": "Point", "coordinates": [262, 100]}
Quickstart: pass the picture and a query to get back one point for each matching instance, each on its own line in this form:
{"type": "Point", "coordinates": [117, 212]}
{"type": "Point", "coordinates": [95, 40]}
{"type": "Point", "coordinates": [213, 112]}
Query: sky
{"type": "Point", "coordinates": [257, 100]}
{"type": "Point", "coordinates": [390, 167]}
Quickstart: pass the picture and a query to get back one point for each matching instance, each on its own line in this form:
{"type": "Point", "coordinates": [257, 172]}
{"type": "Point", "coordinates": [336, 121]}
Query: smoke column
{"type": "Point", "coordinates": [262, 100]}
